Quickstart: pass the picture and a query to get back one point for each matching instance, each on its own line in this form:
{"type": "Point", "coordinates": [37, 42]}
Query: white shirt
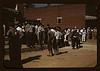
{"type": "Point", "coordinates": [58, 35]}
{"type": "Point", "coordinates": [68, 32]}
{"type": "Point", "coordinates": [92, 30]}
{"type": "Point", "coordinates": [88, 29]}
{"type": "Point", "coordinates": [78, 30]}
{"type": "Point", "coordinates": [39, 29]}
{"type": "Point", "coordinates": [84, 32]}
{"type": "Point", "coordinates": [36, 29]}
{"type": "Point", "coordinates": [3, 26]}
{"type": "Point", "coordinates": [19, 29]}
{"type": "Point", "coordinates": [81, 30]}
{"type": "Point", "coordinates": [53, 30]}
{"type": "Point", "coordinates": [72, 30]}
{"type": "Point", "coordinates": [23, 29]}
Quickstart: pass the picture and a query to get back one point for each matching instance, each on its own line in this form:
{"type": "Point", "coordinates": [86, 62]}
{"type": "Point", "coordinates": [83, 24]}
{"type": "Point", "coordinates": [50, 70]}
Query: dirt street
{"type": "Point", "coordinates": [86, 56]}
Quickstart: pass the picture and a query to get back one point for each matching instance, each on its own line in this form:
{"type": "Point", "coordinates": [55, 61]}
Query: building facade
{"type": "Point", "coordinates": [65, 16]}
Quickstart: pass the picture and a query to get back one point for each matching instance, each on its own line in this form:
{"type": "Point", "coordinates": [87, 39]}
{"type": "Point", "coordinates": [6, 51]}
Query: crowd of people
{"type": "Point", "coordinates": [33, 34]}
{"type": "Point", "coordinates": [54, 37]}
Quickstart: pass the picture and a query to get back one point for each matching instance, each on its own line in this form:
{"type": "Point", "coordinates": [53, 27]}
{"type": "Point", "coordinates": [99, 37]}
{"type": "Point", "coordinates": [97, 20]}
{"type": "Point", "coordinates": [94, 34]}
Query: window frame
{"type": "Point", "coordinates": [59, 18]}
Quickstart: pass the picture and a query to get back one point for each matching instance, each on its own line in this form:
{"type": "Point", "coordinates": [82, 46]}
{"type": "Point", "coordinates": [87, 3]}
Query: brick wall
{"type": "Point", "coordinates": [72, 15]}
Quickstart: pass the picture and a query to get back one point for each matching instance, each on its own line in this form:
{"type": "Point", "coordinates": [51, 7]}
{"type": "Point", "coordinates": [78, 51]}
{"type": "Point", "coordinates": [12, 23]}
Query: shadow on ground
{"type": "Point", "coordinates": [81, 43]}
{"type": "Point", "coordinates": [23, 50]}
{"type": "Point", "coordinates": [31, 59]}
{"type": "Point", "coordinates": [81, 47]}
{"type": "Point", "coordinates": [12, 65]}
{"type": "Point", "coordinates": [9, 64]}
{"type": "Point", "coordinates": [62, 52]}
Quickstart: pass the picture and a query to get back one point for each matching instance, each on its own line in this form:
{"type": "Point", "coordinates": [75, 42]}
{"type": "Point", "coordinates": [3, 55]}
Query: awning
{"type": "Point", "coordinates": [90, 17]}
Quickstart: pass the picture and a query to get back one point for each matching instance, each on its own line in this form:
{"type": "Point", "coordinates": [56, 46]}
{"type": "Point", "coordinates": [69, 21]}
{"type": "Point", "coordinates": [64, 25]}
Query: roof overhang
{"type": "Point", "coordinates": [90, 17]}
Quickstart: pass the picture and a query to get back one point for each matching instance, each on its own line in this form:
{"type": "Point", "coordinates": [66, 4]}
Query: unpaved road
{"type": "Point", "coordinates": [83, 57]}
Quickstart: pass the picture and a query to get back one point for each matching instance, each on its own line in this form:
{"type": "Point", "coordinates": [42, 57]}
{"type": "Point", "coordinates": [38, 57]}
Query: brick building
{"type": "Point", "coordinates": [69, 15]}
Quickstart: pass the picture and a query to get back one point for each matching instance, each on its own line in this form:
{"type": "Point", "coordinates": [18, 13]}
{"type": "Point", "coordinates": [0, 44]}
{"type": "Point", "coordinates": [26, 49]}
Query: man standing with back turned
{"type": "Point", "coordinates": [50, 41]}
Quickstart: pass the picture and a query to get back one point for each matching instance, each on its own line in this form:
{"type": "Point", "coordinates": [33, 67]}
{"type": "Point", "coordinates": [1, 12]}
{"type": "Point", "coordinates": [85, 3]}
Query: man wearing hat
{"type": "Point", "coordinates": [14, 46]}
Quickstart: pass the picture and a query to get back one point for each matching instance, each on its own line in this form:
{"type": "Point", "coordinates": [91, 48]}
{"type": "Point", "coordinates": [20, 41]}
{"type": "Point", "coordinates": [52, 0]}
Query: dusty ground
{"type": "Point", "coordinates": [83, 57]}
